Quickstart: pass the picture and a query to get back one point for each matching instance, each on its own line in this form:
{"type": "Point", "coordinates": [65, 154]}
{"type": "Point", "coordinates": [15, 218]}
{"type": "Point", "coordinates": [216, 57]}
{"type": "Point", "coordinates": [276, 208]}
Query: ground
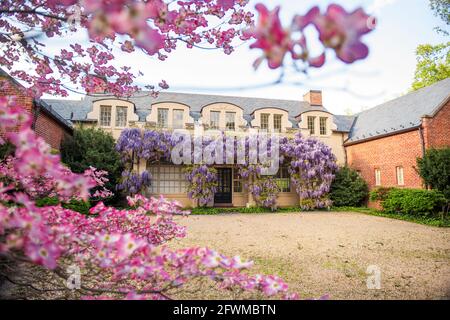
{"type": "Point", "coordinates": [328, 253]}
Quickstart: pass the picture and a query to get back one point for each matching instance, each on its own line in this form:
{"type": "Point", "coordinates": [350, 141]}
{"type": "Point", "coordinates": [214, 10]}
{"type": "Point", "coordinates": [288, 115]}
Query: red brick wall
{"type": "Point", "coordinates": [437, 129]}
{"type": "Point", "coordinates": [49, 129]}
{"type": "Point", "coordinates": [386, 154]}
{"type": "Point", "coordinates": [45, 126]}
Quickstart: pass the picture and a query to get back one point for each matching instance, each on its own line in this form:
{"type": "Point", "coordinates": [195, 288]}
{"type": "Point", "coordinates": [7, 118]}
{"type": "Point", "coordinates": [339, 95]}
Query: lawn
{"type": "Point", "coordinates": [328, 252]}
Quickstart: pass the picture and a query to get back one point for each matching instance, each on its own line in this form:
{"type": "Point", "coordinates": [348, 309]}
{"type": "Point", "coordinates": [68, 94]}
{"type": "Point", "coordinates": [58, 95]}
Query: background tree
{"type": "Point", "coordinates": [434, 168]}
{"type": "Point", "coordinates": [348, 189]}
{"type": "Point", "coordinates": [433, 64]}
{"type": "Point", "coordinates": [441, 9]}
{"type": "Point", "coordinates": [92, 147]}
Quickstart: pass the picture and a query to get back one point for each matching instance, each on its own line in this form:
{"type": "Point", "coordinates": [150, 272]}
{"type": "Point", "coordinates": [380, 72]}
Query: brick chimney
{"type": "Point", "coordinates": [313, 97]}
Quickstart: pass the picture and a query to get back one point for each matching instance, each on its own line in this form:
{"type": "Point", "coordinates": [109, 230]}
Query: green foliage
{"type": "Point", "coordinates": [429, 221]}
{"type": "Point", "coordinates": [348, 188]}
{"type": "Point", "coordinates": [379, 194]}
{"type": "Point", "coordinates": [415, 202]}
{"type": "Point", "coordinates": [434, 168]}
{"type": "Point", "coordinates": [214, 211]}
{"type": "Point", "coordinates": [433, 64]}
{"type": "Point", "coordinates": [78, 206]}
{"type": "Point", "coordinates": [6, 149]}
{"type": "Point", "coordinates": [75, 205]}
{"type": "Point", "coordinates": [92, 147]}
{"type": "Point", "coordinates": [441, 9]}
{"type": "Point", "coordinates": [48, 201]}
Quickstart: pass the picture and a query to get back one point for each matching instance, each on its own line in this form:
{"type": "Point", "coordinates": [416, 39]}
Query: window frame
{"type": "Point", "coordinates": [238, 186]}
{"type": "Point", "coordinates": [377, 177]}
{"type": "Point", "coordinates": [283, 175]}
{"type": "Point", "coordinates": [101, 116]}
{"type": "Point", "coordinates": [400, 173]}
{"type": "Point", "coordinates": [174, 120]}
{"type": "Point", "coordinates": [216, 125]}
{"type": "Point", "coordinates": [311, 123]}
{"type": "Point", "coordinates": [233, 127]}
{"type": "Point", "coordinates": [277, 117]}
{"type": "Point", "coordinates": [125, 120]}
{"type": "Point", "coordinates": [261, 122]}
{"type": "Point", "coordinates": [323, 126]}
{"type": "Point", "coordinates": [159, 124]}
{"type": "Point", "coordinates": [172, 175]}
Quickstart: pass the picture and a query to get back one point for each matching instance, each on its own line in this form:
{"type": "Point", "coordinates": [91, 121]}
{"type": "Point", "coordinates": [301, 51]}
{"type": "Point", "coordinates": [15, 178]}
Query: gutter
{"type": "Point", "coordinates": [350, 143]}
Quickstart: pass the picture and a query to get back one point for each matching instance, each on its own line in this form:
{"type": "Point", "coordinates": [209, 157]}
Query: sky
{"type": "Point", "coordinates": [386, 74]}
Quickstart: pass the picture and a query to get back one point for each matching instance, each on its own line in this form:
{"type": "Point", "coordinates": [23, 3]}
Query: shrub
{"type": "Point", "coordinates": [414, 202]}
{"type": "Point", "coordinates": [348, 189]}
{"type": "Point", "coordinates": [379, 194]}
{"type": "Point", "coordinates": [96, 148]}
{"type": "Point", "coordinates": [75, 205]}
{"type": "Point", "coordinates": [434, 168]}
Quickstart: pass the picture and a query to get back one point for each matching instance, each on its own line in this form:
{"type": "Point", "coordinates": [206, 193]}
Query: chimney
{"type": "Point", "coordinates": [313, 97]}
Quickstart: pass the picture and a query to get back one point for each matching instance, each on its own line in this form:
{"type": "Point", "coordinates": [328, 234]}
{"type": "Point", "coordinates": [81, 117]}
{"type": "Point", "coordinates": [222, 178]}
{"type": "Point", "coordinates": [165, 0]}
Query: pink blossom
{"type": "Point", "coordinates": [342, 31]}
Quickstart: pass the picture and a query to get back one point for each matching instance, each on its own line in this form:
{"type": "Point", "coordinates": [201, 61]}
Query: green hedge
{"type": "Point", "coordinates": [75, 205]}
{"type": "Point", "coordinates": [414, 202]}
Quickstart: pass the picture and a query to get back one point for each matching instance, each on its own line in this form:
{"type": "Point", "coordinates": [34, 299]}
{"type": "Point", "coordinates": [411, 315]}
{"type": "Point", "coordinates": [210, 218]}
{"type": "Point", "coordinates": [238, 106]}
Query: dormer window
{"type": "Point", "coordinates": [230, 118]}
{"type": "Point", "coordinates": [277, 122]}
{"type": "Point", "coordinates": [121, 116]}
{"type": "Point", "coordinates": [323, 126]}
{"type": "Point", "coordinates": [214, 119]}
{"type": "Point", "coordinates": [105, 116]}
{"type": "Point", "coordinates": [311, 125]}
{"type": "Point", "coordinates": [265, 121]}
{"type": "Point", "coordinates": [163, 118]}
{"type": "Point", "coordinates": [178, 119]}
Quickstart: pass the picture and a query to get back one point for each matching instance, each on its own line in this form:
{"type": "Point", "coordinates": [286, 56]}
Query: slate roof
{"type": "Point", "coordinates": [77, 110]}
{"type": "Point", "coordinates": [400, 114]}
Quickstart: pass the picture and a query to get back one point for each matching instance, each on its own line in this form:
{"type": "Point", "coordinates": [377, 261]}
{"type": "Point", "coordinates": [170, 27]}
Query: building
{"type": "Point", "coordinates": [382, 143]}
{"type": "Point", "coordinates": [240, 115]}
{"type": "Point", "coordinates": [47, 123]}
{"type": "Point", "coordinates": [385, 141]}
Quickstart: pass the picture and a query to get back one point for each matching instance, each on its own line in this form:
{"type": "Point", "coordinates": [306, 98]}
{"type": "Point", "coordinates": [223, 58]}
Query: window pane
{"type": "Point", "coordinates": [264, 121]}
{"type": "Point", "coordinates": [230, 118]}
{"type": "Point", "coordinates": [400, 177]}
{"type": "Point", "coordinates": [105, 116]}
{"type": "Point", "coordinates": [121, 116]}
{"type": "Point", "coordinates": [277, 122]}
{"type": "Point", "coordinates": [178, 118]}
{"type": "Point", "coordinates": [167, 179]}
{"type": "Point", "coordinates": [283, 179]}
{"type": "Point", "coordinates": [323, 126]}
{"type": "Point", "coordinates": [214, 119]}
{"type": "Point", "coordinates": [163, 118]}
{"type": "Point", "coordinates": [311, 123]}
{"type": "Point", "coordinates": [377, 177]}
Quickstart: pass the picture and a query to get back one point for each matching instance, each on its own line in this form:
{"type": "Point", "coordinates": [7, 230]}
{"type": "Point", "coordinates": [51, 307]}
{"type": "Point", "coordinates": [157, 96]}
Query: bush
{"type": "Point", "coordinates": [414, 202]}
{"type": "Point", "coordinates": [96, 148]}
{"type": "Point", "coordinates": [434, 168]}
{"type": "Point", "coordinates": [379, 194]}
{"type": "Point", "coordinates": [75, 205]}
{"type": "Point", "coordinates": [348, 189]}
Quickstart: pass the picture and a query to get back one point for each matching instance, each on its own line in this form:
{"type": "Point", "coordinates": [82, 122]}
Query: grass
{"type": "Point", "coordinates": [429, 221]}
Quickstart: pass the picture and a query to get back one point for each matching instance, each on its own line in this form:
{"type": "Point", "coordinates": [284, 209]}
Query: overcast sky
{"type": "Point", "coordinates": [385, 74]}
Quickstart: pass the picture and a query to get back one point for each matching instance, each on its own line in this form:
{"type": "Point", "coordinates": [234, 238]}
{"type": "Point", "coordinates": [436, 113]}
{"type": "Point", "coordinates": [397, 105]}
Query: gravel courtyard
{"type": "Point", "coordinates": [318, 253]}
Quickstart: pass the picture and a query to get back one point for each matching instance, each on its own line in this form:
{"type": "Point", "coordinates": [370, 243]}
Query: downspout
{"type": "Point", "coordinates": [422, 140]}
{"type": "Point", "coordinates": [345, 149]}
{"type": "Point", "coordinates": [36, 111]}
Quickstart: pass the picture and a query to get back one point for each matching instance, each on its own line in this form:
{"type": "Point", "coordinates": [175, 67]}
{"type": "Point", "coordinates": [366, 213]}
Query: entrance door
{"type": "Point", "coordinates": [223, 194]}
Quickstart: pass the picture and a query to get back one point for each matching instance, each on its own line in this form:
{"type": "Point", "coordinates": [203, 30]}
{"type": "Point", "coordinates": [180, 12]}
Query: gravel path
{"type": "Point", "coordinates": [318, 253]}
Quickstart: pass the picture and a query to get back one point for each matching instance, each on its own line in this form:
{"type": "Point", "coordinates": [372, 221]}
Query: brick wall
{"type": "Point", "coordinates": [49, 129]}
{"type": "Point", "coordinates": [386, 154]}
{"type": "Point", "coordinates": [45, 126]}
{"type": "Point", "coordinates": [437, 129]}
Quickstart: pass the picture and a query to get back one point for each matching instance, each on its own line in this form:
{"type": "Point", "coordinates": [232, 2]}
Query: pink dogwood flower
{"type": "Point", "coordinates": [342, 32]}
